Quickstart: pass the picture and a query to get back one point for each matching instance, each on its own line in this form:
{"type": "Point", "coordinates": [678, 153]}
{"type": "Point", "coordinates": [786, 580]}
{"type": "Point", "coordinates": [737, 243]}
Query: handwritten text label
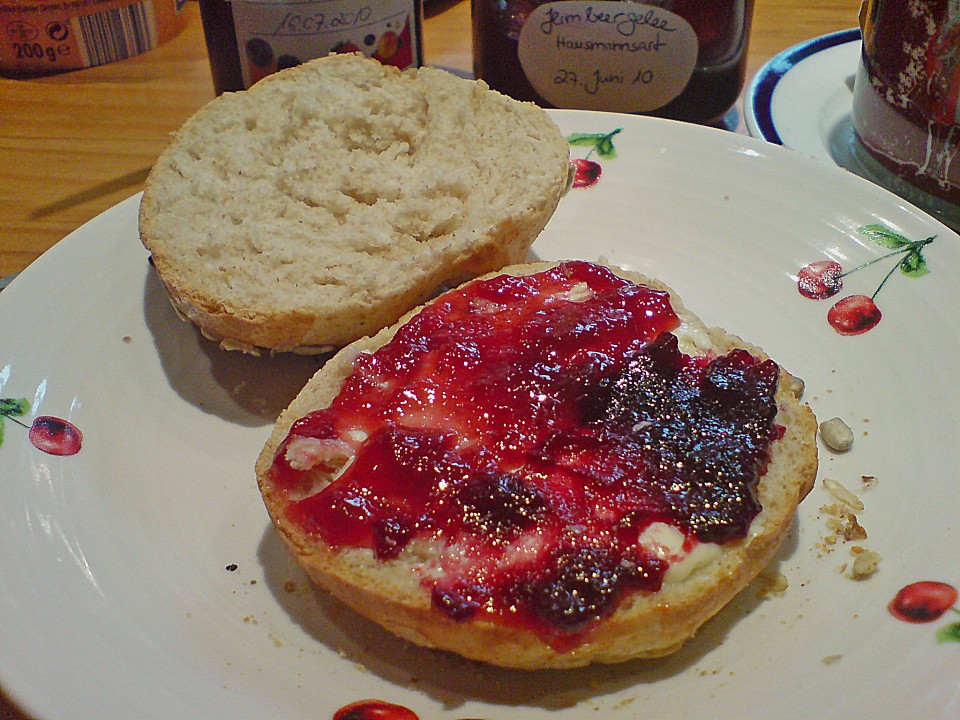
{"type": "Point", "coordinates": [620, 56]}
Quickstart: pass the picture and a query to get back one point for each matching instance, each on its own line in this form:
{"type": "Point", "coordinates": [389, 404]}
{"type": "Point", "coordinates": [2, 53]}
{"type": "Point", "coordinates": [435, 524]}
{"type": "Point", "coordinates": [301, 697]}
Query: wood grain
{"type": "Point", "coordinates": [73, 145]}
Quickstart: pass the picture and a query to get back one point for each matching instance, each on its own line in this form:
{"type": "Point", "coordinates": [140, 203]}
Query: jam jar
{"type": "Point", "coordinates": [906, 102]}
{"type": "Point", "coordinates": [247, 41]}
{"type": "Point", "coordinates": [679, 59]}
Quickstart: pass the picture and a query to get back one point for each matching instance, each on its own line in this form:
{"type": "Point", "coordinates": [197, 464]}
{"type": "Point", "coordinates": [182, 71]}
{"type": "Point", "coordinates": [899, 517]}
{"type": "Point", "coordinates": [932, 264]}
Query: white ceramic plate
{"type": "Point", "coordinates": [802, 98]}
{"type": "Point", "coordinates": [116, 601]}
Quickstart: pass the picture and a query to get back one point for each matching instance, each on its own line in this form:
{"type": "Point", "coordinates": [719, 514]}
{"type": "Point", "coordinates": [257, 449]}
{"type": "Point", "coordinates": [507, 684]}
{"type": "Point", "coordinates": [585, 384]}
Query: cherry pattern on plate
{"type": "Point", "coordinates": [920, 602]}
{"type": "Point", "coordinates": [586, 171]}
{"type": "Point", "coordinates": [858, 313]}
{"type": "Point", "coordinates": [376, 710]}
{"type": "Point", "coordinates": [52, 435]}
{"type": "Point", "coordinates": [927, 601]}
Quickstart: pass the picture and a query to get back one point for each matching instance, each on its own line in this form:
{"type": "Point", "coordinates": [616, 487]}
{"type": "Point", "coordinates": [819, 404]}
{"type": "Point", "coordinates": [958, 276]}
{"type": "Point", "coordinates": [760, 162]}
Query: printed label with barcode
{"type": "Point", "coordinates": [116, 34]}
{"type": "Point", "coordinates": [40, 37]}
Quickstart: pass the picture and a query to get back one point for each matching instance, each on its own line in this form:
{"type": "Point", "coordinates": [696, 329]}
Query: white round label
{"type": "Point", "coordinates": [619, 56]}
{"type": "Point", "coordinates": [275, 34]}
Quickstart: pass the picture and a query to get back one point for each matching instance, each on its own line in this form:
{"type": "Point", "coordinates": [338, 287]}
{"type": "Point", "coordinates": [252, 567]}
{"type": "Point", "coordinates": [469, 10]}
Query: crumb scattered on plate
{"type": "Point", "coordinates": [771, 582]}
{"type": "Point", "coordinates": [843, 526]}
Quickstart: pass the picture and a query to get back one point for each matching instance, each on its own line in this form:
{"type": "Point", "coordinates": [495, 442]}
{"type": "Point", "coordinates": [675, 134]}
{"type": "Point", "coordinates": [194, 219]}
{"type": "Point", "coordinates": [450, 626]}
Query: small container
{"type": "Point", "coordinates": [247, 41]}
{"type": "Point", "coordinates": [46, 37]}
{"type": "Point", "coordinates": [905, 102]}
{"type": "Point", "coordinates": [680, 59]}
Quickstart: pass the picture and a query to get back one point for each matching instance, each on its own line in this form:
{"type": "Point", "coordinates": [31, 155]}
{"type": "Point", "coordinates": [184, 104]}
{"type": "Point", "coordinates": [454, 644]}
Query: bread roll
{"type": "Point", "coordinates": [541, 542]}
{"type": "Point", "coordinates": [327, 200]}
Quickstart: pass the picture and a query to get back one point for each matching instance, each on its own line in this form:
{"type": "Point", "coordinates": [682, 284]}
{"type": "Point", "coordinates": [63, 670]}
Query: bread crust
{"type": "Point", "coordinates": [327, 200]}
{"type": "Point", "coordinates": [645, 625]}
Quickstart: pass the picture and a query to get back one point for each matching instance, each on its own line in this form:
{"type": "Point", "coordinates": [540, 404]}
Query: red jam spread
{"type": "Point", "coordinates": [533, 428]}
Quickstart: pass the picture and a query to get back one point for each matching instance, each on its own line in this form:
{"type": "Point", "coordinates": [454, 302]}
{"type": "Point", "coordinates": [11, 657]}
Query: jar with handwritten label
{"type": "Point", "coordinates": [248, 40]}
{"type": "Point", "coordinates": [681, 59]}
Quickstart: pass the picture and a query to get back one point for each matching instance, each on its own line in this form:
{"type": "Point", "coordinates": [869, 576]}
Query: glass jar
{"type": "Point", "coordinates": [247, 41]}
{"type": "Point", "coordinates": [680, 59]}
{"type": "Point", "coordinates": [906, 102]}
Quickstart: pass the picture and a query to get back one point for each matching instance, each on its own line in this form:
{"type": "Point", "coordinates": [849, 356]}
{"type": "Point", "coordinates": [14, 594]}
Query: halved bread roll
{"type": "Point", "coordinates": [328, 199]}
{"type": "Point", "coordinates": [546, 467]}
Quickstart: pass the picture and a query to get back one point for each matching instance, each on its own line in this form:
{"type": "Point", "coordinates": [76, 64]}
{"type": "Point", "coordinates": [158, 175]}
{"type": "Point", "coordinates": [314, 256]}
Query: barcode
{"type": "Point", "coordinates": [116, 34]}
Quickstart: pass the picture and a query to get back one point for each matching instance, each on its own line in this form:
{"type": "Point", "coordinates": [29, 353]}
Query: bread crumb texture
{"type": "Point", "coordinates": [323, 203]}
{"type": "Point", "coordinates": [772, 582]}
{"type": "Point", "coordinates": [843, 526]}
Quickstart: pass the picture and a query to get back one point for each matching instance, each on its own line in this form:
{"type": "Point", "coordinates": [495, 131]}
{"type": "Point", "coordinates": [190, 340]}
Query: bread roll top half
{"type": "Point", "coordinates": [327, 200]}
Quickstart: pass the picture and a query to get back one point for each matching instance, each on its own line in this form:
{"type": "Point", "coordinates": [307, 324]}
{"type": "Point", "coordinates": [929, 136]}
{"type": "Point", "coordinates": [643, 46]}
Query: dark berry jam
{"type": "Point", "coordinates": [537, 426]}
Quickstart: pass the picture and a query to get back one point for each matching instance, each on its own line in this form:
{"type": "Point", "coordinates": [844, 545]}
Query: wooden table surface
{"type": "Point", "coordinates": [74, 145]}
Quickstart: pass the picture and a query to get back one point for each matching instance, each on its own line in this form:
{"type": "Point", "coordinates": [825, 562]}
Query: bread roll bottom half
{"type": "Point", "coordinates": [547, 467]}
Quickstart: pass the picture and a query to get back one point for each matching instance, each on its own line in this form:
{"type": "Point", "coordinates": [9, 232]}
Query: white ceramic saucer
{"type": "Point", "coordinates": [801, 98]}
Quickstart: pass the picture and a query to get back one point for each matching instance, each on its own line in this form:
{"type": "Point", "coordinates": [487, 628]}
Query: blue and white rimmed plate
{"type": "Point", "coordinates": [802, 97]}
{"type": "Point", "coordinates": [140, 577]}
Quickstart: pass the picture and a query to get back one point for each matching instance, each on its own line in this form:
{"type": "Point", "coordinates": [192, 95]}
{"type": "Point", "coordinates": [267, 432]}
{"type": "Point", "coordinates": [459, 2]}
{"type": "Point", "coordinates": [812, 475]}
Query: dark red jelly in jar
{"type": "Point", "coordinates": [680, 59]}
{"type": "Point", "coordinates": [536, 428]}
{"type": "Point", "coordinates": [248, 40]}
{"type": "Point", "coordinates": [906, 103]}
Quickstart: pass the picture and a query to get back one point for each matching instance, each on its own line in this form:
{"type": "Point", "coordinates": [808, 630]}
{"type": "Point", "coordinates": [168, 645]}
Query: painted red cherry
{"type": "Point", "coordinates": [587, 173]}
{"type": "Point", "coordinates": [374, 710]}
{"type": "Point", "coordinates": [55, 436]}
{"type": "Point", "coordinates": [820, 279]}
{"type": "Point", "coordinates": [923, 602]}
{"type": "Point", "coordinates": [854, 315]}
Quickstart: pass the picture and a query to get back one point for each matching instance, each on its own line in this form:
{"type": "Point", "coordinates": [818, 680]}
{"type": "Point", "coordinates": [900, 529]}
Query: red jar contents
{"type": "Point", "coordinates": [536, 427]}
{"type": "Point", "coordinates": [906, 103]}
{"type": "Point", "coordinates": [616, 55]}
{"type": "Point", "coordinates": [248, 40]}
